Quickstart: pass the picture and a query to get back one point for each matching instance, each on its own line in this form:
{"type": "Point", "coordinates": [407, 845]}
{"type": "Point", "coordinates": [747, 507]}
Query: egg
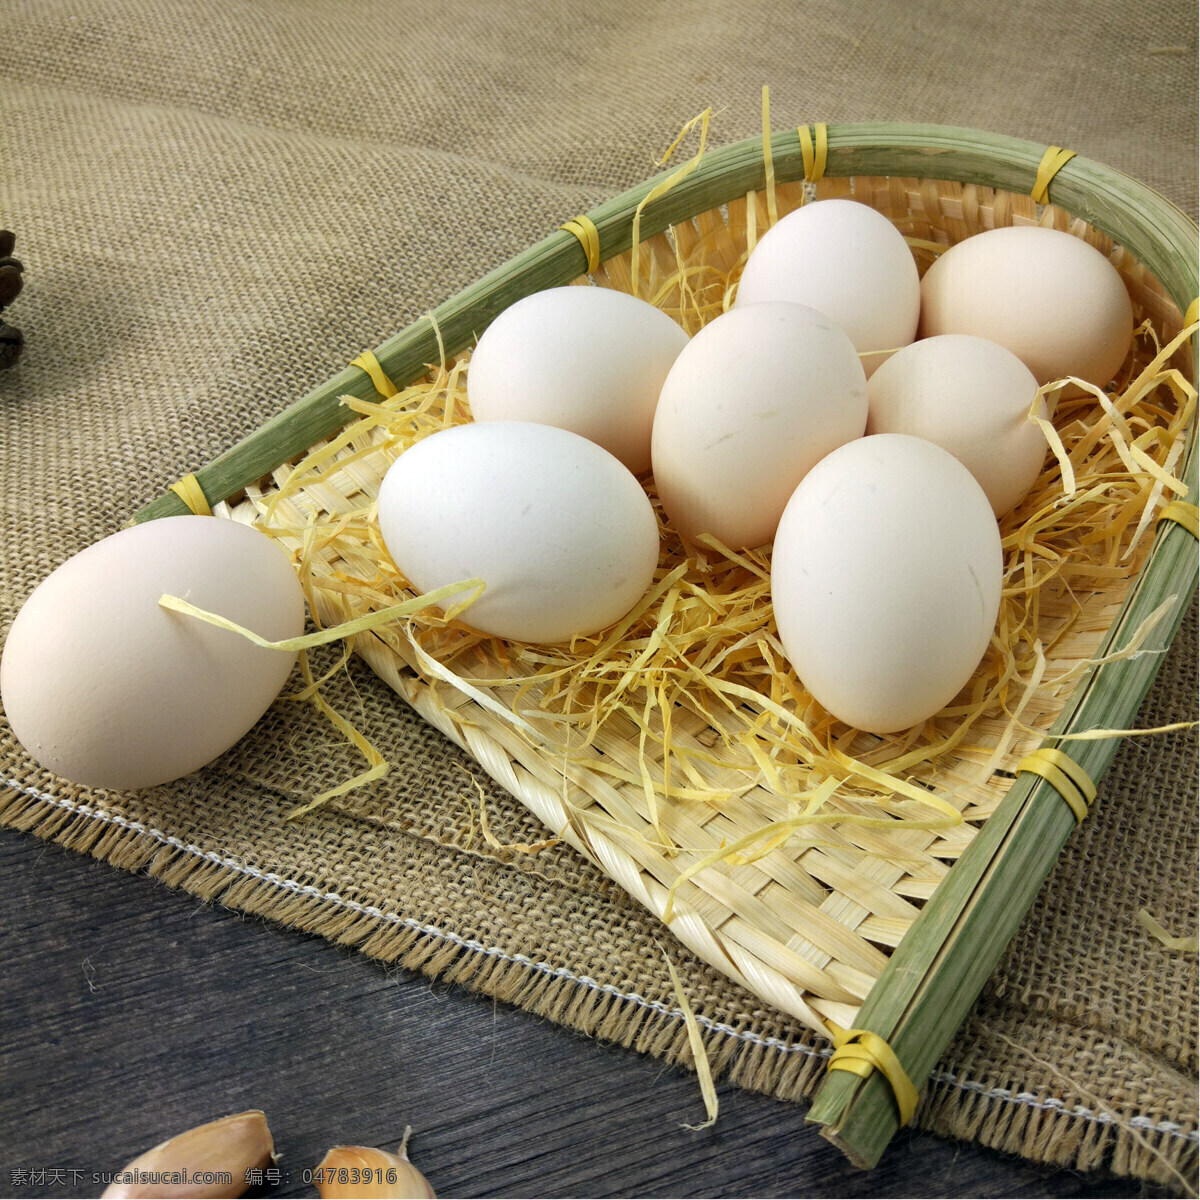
{"type": "Point", "coordinates": [107, 689]}
{"type": "Point", "coordinates": [561, 532]}
{"type": "Point", "coordinates": [757, 397]}
{"type": "Point", "coordinates": [1057, 303]}
{"type": "Point", "coordinates": [973, 398]}
{"type": "Point", "coordinates": [846, 260]}
{"type": "Point", "coordinates": [885, 580]}
{"type": "Point", "coordinates": [588, 359]}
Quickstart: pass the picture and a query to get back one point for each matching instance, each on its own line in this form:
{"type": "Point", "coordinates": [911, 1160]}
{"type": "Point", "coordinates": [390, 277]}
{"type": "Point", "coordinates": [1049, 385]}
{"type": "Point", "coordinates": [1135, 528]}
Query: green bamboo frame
{"type": "Point", "coordinates": [942, 963]}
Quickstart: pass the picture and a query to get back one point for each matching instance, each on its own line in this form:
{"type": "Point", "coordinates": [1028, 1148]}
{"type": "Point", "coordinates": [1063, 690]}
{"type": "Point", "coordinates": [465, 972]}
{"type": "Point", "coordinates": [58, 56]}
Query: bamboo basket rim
{"type": "Point", "coordinates": [1085, 188]}
{"type": "Point", "coordinates": [858, 1113]}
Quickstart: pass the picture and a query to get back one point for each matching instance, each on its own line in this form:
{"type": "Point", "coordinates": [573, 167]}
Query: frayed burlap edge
{"type": "Point", "coordinates": [1059, 1133]}
{"type": "Point", "coordinates": [1040, 1129]}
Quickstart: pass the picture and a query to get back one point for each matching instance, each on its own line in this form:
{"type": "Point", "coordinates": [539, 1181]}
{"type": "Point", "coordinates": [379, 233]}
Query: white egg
{"type": "Point", "coordinates": [885, 580]}
{"type": "Point", "coordinates": [108, 689]}
{"type": "Point", "coordinates": [844, 259]}
{"type": "Point", "coordinates": [588, 359]}
{"type": "Point", "coordinates": [757, 397]}
{"type": "Point", "coordinates": [973, 398]}
{"type": "Point", "coordinates": [1057, 303]}
{"type": "Point", "coordinates": [561, 532]}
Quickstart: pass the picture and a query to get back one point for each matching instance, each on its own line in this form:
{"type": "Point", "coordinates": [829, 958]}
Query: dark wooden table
{"type": "Point", "coordinates": [133, 1012]}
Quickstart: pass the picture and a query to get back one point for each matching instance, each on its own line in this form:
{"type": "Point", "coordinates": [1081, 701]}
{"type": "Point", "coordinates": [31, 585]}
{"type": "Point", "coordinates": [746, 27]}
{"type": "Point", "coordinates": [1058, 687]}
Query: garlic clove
{"type": "Point", "coordinates": [185, 1166]}
{"type": "Point", "coordinates": [363, 1171]}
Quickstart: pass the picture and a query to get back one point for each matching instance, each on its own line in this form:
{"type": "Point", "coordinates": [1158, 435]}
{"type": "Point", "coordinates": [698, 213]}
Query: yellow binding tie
{"type": "Point", "coordinates": [367, 362]}
{"type": "Point", "coordinates": [814, 150]}
{"type": "Point", "coordinates": [861, 1052]}
{"type": "Point", "coordinates": [1052, 162]}
{"type": "Point", "coordinates": [589, 238]}
{"type": "Point", "coordinates": [768, 160]}
{"type": "Point", "coordinates": [188, 489]}
{"type": "Point", "coordinates": [1183, 513]}
{"type": "Point", "coordinates": [1064, 775]}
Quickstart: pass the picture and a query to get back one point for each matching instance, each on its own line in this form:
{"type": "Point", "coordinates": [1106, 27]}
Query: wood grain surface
{"type": "Point", "coordinates": [133, 1012]}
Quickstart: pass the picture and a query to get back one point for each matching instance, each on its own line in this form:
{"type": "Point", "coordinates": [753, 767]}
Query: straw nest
{"type": "Point", "coordinates": [677, 749]}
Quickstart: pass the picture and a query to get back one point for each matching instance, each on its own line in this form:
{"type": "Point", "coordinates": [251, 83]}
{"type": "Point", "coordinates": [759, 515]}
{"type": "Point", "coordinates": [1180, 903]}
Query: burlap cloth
{"type": "Point", "coordinates": [219, 204]}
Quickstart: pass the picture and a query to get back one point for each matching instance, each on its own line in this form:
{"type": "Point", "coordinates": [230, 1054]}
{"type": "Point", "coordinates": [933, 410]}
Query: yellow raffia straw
{"type": "Point", "coordinates": [1063, 774]}
{"type": "Point", "coordinates": [862, 1053]}
{"type": "Point", "coordinates": [188, 489]}
{"type": "Point", "coordinates": [485, 826]}
{"type": "Point", "coordinates": [769, 835]}
{"type": "Point", "coordinates": [1188, 945]}
{"type": "Point", "coordinates": [1051, 434]}
{"type": "Point", "coordinates": [1131, 649]}
{"type": "Point", "coordinates": [322, 637]}
{"type": "Point", "coordinates": [699, 1055]}
{"type": "Point", "coordinates": [1052, 162]}
{"type": "Point", "coordinates": [667, 184]}
{"type": "Point", "coordinates": [1099, 735]}
{"type": "Point", "coordinates": [814, 150]}
{"type": "Point", "coordinates": [377, 766]}
{"type": "Point", "coordinates": [648, 788]}
{"type": "Point", "coordinates": [764, 840]}
{"type": "Point", "coordinates": [432, 667]}
{"type": "Point", "coordinates": [367, 362]}
{"type": "Point", "coordinates": [311, 689]}
{"type": "Point", "coordinates": [588, 236]}
{"type": "Point", "coordinates": [768, 161]}
{"type": "Point", "coordinates": [437, 333]}
{"type": "Point", "coordinates": [901, 787]}
{"type": "Point", "coordinates": [934, 248]}
{"type": "Point", "coordinates": [1182, 513]}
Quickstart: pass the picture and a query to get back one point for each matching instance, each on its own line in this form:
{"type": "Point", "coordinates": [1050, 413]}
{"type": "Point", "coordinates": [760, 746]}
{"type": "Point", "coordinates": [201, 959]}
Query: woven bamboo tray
{"type": "Point", "coordinates": [879, 921]}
